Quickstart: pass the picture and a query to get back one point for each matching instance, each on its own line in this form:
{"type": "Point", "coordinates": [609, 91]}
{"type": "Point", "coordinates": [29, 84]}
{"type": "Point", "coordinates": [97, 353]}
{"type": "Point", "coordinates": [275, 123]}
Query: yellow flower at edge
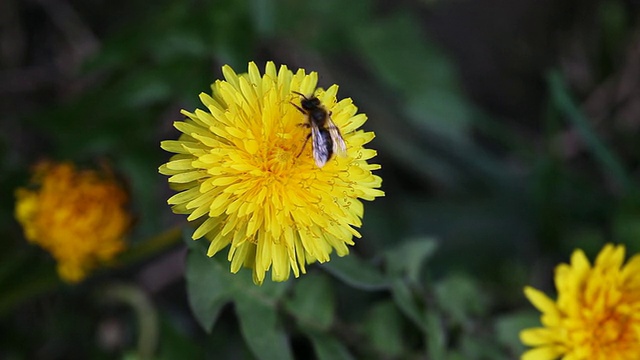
{"type": "Point", "coordinates": [79, 216]}
{"type": "Point", "coordinates": [245, 167]}
{"type": "Point", "coordinates": [597, 313]}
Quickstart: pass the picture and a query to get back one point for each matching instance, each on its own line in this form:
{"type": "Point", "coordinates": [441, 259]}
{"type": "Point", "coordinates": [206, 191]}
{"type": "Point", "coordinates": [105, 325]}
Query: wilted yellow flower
{"type": "Point", "coordinates": [79, 216]}
{"type": "Point", "coordinates": [245, 166]}
{"type": "Point", "coordinates": [597, 313]}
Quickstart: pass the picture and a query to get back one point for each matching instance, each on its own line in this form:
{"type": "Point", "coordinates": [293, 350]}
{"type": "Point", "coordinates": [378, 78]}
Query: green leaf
{"type": "Point", "coordinates": [209, 287]}
{"type": "Point", "coordinates": [508, 328]}
{"type": "Point", "coordinates": [384, 329]}
{"type": "Point", "coordinates": [409, 257]}
{"type": "Point", "coordinates": [260, 328]}
{"type": "Point", "coordinates": [610, 164]}
{"type": "Point", "coordinates": [175, 342]}
{"type": "Point", "coordinates": [460, 297]}
{"type": "Point", "coordinates": [336, 18]}
{"type": "Point", "coordinates": [406, 301]}
{"type": "Point", "coordinates": [312, 302]}
{"type": "Point", "coordinates": [478, 346]}
{"type": "Point", "coordinates": [425, 84]}
{"type": "Point", "coordinates": [327, 347]}
{"type": "Point", "coordinates": [396, 49]}
{"type": "Point", "coordinates": [435, 336]}
{"type": "Point", "coordinates": [356, 272]}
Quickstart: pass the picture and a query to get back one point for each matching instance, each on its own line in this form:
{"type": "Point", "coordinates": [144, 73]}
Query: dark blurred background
{"type": "Point", "coordinates": [507, 131]}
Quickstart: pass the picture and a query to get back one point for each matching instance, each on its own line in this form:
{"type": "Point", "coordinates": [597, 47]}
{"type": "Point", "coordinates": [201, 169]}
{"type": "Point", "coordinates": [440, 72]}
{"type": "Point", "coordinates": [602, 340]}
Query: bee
{"type": "Point", "coordinates": [326, 137]}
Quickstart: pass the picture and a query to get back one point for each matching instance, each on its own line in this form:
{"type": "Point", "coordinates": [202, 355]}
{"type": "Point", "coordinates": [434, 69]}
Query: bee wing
{"type": "Point", "coordinates": [339, 146]}
{"type": "Point", "coordinates": [320, 146]}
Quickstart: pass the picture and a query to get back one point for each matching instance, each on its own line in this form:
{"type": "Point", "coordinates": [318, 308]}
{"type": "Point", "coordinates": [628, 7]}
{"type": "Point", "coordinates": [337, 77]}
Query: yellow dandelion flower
{"type": "Point", "coordinates": [79, 216]}
{"type": "Point", "coordinates": [597, 313]}
{"type": "Point", "coordinates": [245, 165]}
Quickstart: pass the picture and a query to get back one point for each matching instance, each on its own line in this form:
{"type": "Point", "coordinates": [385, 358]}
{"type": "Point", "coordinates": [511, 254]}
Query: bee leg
{"type": "Point", "coordinates": [303, 145]}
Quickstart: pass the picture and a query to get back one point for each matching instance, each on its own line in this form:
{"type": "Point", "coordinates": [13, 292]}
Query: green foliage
{"type": "Point", "coordinates": [210, 287]}
{"type": "Point", "coordinates": [263, 312]}
{"type": "Point", "coordinates": [328, 347]}
{"type": "Point", "coordinates": [312, 302]}
{"type": "Point", "coordinates": [408, 258]}
{"type": "Point", "coordinates": [383, 328]}
{"type": "Point", "coordinates": [259, 326]}
{"type": "Point", "coordinates": [508, 326]}
{"type": "Point", "coordinates": [357, 273]}
{"type": "Point", "coordinates": [398, 54]}
{"type": "Point", "coordinates": [460, 298]}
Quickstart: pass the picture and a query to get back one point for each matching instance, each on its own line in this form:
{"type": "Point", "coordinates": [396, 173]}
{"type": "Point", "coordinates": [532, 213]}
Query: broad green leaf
{"type": "Point", "coordinates": [312, 302]}
{"type": "Point", "coordinates": [260, 328]}
{"type": "Point", "coordinates": [209, 287]}
{"type": "Point", "coordinates": [356, 272]}
{"type": "Point", "coordinates": [327, 347]}
{"type": "Point", "coordinates": [460, 297]}
{"type": "Point", "coordinates": [409, 257]}
{"type": "Point", "coordinates": [384, 329]}
{"type": "Point", "coordinates": [200, 245]}
{"type": "Point", "coordinates": [407, 302]}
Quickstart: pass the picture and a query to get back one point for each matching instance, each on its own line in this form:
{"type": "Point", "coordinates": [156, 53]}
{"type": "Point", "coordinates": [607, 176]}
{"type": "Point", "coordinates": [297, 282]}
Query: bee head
{"type": "Point", "coordinates": [308, 103]}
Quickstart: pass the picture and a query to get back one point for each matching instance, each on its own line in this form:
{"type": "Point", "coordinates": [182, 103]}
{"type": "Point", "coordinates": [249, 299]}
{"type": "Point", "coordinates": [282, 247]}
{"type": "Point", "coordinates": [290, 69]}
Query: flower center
{"type": "Point", "coordinates": [283, 155]}
{"type": "Point", "coordinates": [608, 333]}
{"type": "Point", "coordinates": [611, 329]}
{"type": "Point", "coordinates": [284, 151]}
